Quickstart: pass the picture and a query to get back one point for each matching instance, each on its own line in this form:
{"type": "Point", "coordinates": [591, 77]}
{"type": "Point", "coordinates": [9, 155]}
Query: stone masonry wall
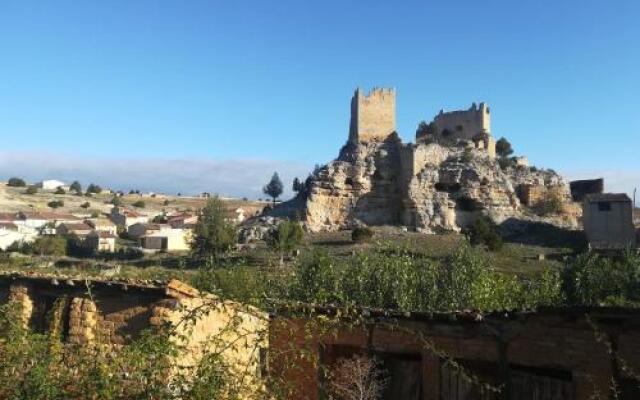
{"type": "Point", "coordinates": [373, 115]}
{"type": "Point", "coordinates": [464, 124]}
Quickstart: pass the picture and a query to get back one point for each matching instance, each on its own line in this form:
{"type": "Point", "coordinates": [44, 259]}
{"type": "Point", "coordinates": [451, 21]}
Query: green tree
{"type": "Point", "coordinates": [503, 148]}
{"type": "Point", "coordinates": [287, 238]}
{"type": "Point", "coordinates": [297, 185]}
{"type": "Point", "coordinates": [116, 201]}
{"type": "Point", "coordinates": [50, 246]}
{"type": "Point", "coordinates": [59, 190]}
{"type": "Point", "coordinates": [484, 232]}
{"type": "Point", "coordinates": [32, 189]}
{"type": "Point", "coordinates": [139, 204]}
{"type": "Point", "coordinates": [426, 129]}
{"type": "Point", "coordinates": [93, 188]}
{"type": "Point", "coordinates": [16, 182]}
{"type": "Point", "coordinates": [214, 235]}
{"type": "Point", "coordinates": [274, 188]}
{"type": "Point", "coordinates": [75, 187]}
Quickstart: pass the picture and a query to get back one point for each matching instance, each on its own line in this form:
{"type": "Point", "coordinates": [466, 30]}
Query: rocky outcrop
{"type": "Point", "coordinates": [361, 186]}
{"type": "Point", "coordinates": [430, 188]}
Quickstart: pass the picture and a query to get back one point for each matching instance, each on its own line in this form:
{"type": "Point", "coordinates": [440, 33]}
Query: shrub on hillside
{"type": "Point", "coordinates": [593, 279]}
{"type": "Point", "coordinates": [49, 246]}
{"type": "Point", "coordinates": [362, 234]}
{"type": "Point", "coordinates": [59, 190]}
{"type": "Point", "coordinates": [139, 204]}
{"type": "Point", "coordinates": [286, 238]}
{"type": "Point", "coordinates": [31, 190]}
{"type": "Point", "coordinates": [484, 232]}
{"type": "Point", "coordinates": [93, 188]}
{"type": "Point", "coordinates": [396, 278]}
{"type": "Point", "coordinates": [16, 182]}
{"type": "Point", "coordinates": [55, 204]}
{"type": "Point", "coordinates": [551, 204]}
{"type": "Point", "coordinates": [75, 187]}
{"type": "Point", "coordinates": [85, 205]}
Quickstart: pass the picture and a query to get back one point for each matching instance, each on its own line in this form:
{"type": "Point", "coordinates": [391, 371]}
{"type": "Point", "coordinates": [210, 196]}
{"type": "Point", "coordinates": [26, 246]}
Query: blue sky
{"type": "Point", "coordinates": [223, 86]}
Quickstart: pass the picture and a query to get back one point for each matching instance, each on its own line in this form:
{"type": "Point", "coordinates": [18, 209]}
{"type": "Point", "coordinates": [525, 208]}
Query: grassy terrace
{"type": "Point", "coordinates": [250, 264]}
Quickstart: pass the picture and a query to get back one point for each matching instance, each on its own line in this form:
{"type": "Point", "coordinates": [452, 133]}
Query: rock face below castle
{"type": "Point", "coordinates": [433, 186]}
{"type": "Point", "coordinates": [371, 184]}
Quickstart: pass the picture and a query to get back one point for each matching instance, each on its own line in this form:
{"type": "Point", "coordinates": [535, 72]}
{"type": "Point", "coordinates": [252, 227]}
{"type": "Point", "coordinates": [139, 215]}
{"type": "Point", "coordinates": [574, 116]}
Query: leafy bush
{"type": "Point", "coordinates": [16, 182]}
{"type": "Point", "coordinates": [593, 279]}
{"type": "Point", "coordinates": [59, 190]}
{"type": "Point", "coordinates": [116, 201]}
{"type": "Point", "coordinates": [551, 204]}
{"type": "Point", "coordinates": [287, 237]}
{"type": "Point", "coordinates": [503, 148]}
{"type": "Point", "coordinates": [506, 163]}
{"type": "Point", "coordinates": [55, 204]}
{"type": "Point", "coordinates": [93, 188]}
{"type": "Point", "coordinates": [139, 204]}
{"type": "Point", "coordinates": [361, 234]}
{"type": "Point", "coordinates": [75, 187]}
{"type": "Point", "coordinates": [395, 278]}
{"type": "Point", "coordinates": [484, 232]}
{"type": "Point", "coordinates": [85, 205]}
{"type": "Point", "coordinates": [32, 189]}
{"type": "Point", "coordinates": [47, 246]}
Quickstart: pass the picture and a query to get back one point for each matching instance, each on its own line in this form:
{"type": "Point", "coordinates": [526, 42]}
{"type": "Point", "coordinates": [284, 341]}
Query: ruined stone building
{"type": "Point", "coordinates": [440, 183]}
{"type": "Point", "coordinates": [548, 354]}
{"type": "Point", "coordinates": [114, 312]}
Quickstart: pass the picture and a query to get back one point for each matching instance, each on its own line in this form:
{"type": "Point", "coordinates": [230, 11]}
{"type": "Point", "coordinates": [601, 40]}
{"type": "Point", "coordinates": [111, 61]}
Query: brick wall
{"type": "Point", "coordinates": [559, 351]}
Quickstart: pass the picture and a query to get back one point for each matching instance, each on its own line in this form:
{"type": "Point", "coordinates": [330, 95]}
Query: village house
{"type": "Point", "coordinates": [608, 221]}
{"type": "Point", "coordinates": [125, 217]}
{"type": "Point", "coordinates": [79, 229]}
{"type": "Point", "coordinates": [117, 311]}
{"type": "Point", "coordinates": [170, 240]}
{"type": "Point", "coordinates": [101, 241]}
{"type": "Point", "coordinates": [51, 184]}
{"type": "Point", "coordinates": [548, 354]}
{"type": "Point", "coordinates": [11, 233]}
{"type": "Point", "coordinates": [181, 220]}
{"type": "Point", "coordinates": [38, 219]}
{"type": "Point", "coordinates": [136, 231]}
{"type": "Point", "coordinates": [102, 225]}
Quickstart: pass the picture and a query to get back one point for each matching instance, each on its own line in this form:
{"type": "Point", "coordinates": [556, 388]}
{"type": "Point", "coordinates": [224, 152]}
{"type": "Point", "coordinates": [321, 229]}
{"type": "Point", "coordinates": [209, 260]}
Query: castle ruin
{"type": "Point", "coordinates": [373, 115]}
{"type": "Point", "coordinates": [439, 183]}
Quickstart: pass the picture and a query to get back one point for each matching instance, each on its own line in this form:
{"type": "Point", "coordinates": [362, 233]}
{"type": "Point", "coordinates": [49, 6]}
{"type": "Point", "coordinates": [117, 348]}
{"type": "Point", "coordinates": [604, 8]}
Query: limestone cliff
{"type": "Point", "coordinates": [427, 187]}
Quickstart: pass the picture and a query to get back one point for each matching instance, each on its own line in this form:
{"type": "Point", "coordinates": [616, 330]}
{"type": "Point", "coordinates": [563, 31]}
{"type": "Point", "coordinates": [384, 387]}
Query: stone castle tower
{"type": "Point", "coordinates": [373, 115]}
{"type": "Point", "coordinates": [464, 124]}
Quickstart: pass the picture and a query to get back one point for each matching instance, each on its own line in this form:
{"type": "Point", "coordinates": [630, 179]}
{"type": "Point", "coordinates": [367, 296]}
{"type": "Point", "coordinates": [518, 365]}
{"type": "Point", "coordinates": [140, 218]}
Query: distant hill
{"type": "Point", "coordinates": [14, 199]}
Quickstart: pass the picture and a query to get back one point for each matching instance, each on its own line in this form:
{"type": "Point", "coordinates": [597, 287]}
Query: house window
{"type": "Point", "coordinates": [604, 206]}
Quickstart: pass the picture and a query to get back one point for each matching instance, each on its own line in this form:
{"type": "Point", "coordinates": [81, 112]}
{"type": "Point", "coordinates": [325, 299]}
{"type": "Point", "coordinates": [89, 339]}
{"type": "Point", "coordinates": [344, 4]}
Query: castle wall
{"type": "Point", "coordinates": [464, 124]}
{"type": "Point", "coordinates": [373, 115]}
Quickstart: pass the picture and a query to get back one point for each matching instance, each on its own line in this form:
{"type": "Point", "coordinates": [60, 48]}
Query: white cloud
{"type": "Point", "coordinates": [615, 181]}
{"type": "Point", "coordinates": [237, 178]}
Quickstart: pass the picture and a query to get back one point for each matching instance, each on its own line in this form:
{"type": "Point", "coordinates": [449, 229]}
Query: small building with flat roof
{"type": "Point", "coordinates": [608, 221]}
